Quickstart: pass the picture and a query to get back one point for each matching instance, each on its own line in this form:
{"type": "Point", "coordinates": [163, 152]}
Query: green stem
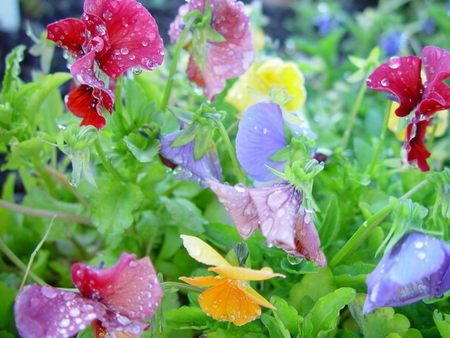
{"type": "Point", "coordinates": [173, 66]}
{"type": "Point", "coordinates": [44, 213]}
{"type": "Point", "coordinates": [381, 141]}
{"type": "Point", "coordinates": [353, 114]}
{"type": "Point", "coordinates": [230, 149]}
{"type": "Point", "coordinates": [106, 163]}
{"type": "Point", "coordinates": [118, 105]}
{"type": "Point", "coordinates": [181, 286]}
{"type": "Point", "coordinates": [45, 177]}
{"type": "Point", "coordinates": [367, 227]}
{"type": "Point", "coordinates": [13, 258]}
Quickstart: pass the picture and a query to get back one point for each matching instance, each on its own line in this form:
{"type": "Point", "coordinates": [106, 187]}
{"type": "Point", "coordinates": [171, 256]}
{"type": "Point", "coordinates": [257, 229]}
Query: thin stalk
{"type": "Point", "coordinates": [64, 181]}
{"type": "Point", "coordinates": [173, 66]}
{"type": "Point", "coordinates": [118, 105]}
{"type": "Point", "coordinates": [181, 286]}
{"type": "Point", "coordinates": [367, 227]}
{"type": "Point", "coordinates": [353, 114]}
{"type": "Point", "coordinates": [381, 141]}
{"type": "Point", "coordinates": [230, 149]}
{"type": "Point", "coordinates": [45, 177]}
{"type": "Point", "coordinates": [44, 213]}
{"type": "Point", "coordinates": [16, 260]}
{"type": "Point", "coordinates": [106, 163]}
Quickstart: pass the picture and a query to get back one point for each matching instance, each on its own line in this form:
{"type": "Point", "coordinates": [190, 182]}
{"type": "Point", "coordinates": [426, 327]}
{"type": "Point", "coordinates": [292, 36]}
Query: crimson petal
{"type": "Point", "coordinates": [70, 34]}
{"type": "Point", "coordinates": [399, 76]}
{"type": "Point", "coordinates": [129, 288]}
{"type": "Point", "coordinates": [415, 145]}
{"type": "Point", "coordinates": [133, 36]}
{"type": "Point", "coordinates": [437, 64]}
{"type": "Point", "coordinates": [43, 311]}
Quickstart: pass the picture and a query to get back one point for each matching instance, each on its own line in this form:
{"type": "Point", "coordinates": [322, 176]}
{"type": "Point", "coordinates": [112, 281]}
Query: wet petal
{"type": "Point", "coordinates": [99, 41]}
{"type": "Point", "coordinates": [239, 205]}
{"type": "Point", "coordinates": [133, 36]}
{"type": "Point", "coordinates": [43, 311]}
{"type": "Point", "coordinates": [260, 135]}
{"type": "Point", "coordinates": [399, 76]}
{"type": "Point", "coordinates": [202, 252]}
{"type": "Point", "coordinates": [130, 288]}
{"type": "Point", "coordinates": [202, 281]}
{"type": "Point", "coordinates": [114, 323]}
{"type": "Point", "coordinates": [416, 152]}
{"type": "Point", "coordinates": [207, 168]}
{"type": "Point", "coordinates": [238, 273]}
{"type": "Point", "coordinates": [83, 71]}
{"type": "Point", "coordinates": [437, 65]}
{"type": "Point", "coordinates": [70, 34]}
{"type": "Point", "coordinates": [228, 302]}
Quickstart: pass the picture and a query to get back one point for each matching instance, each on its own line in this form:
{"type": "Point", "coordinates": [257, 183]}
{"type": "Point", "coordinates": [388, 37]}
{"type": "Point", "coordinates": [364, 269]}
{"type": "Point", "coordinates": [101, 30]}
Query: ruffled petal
{"type": "Point", "coordinates": [130, 288]}
{"type": "Point", "coordinates": [114, 323]}
{"type": "Point", "coordinates": [202, 281]}
{"type": "Point", "coordinates": [400, 76]}
{"type": "Point", "coordinates": [228, 302]}
{"type": "Point", "coordinates": [70, 34]}
{"type": "Point", "coordinates": [202, 252]}
{"type": "Point", "coordinates": [83, 71]}
{"type": "Point", "coordinates": [437, 65]}
{"type": "Point", "coordinates": [206, 168]}
{"type": "Point", "coordinates": [239, 205]}
{"type": "Point", "coordinates": [416, 152]}
{"type": "Point", "coordinates": [238, 273]}
{"type": "Point", "coordinates": [43, 311]}
{"type": "Point", "coordinates": [260, 135]}
{"type": "Point", "coordinates": [133, 36]}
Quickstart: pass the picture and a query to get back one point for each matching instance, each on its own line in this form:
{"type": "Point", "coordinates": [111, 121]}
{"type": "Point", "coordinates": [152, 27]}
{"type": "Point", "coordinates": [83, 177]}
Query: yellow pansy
{"type": "Point", "coordinates": [264, 75]}
{"type": "Point", "coordinates": [440, 117]}
{"type": "Point", "coordinates": [230, 297]}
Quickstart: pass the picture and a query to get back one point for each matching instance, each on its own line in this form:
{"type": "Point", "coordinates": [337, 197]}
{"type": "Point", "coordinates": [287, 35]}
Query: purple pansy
{"type": "Point", "coordinates": [206, 168]}
{"type": "Point", "coordinates": [400, 76]}
{"type": "Point", "coordinates": [277, 211]}
{"type": "Point", "coordinates": [418, 266]}
{"type": "Point", "coordinates": [114, 300]}
{"type": "Point", "coordinates": [220, 60]}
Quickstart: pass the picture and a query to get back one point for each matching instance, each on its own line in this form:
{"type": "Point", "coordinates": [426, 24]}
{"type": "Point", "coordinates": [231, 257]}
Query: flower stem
{"type": "Point", "coordinates": [44, 213]}
{"type": "Point", "coordinates": [353, 114]}
{"type": "Point", "coordinates": [173, 66]}
{"type": "Point", "coordinates": [368, 226]}
{"type": "Point", "coordinates": [381, 141]}
{"type": "Point", "coordinates": [230, 149]}
{"type": "Point", "coordinates": [13, 258]}
{"type": "Point", "coordinates": [106, 163]}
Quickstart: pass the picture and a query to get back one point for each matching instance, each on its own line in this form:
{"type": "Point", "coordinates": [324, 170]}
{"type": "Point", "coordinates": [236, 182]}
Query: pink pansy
{"type": "Point", "coordinates": [278, 212]}
{"type": "Point", "coordinates": [213, 62]}
{"type": "Point", "coordinates": [114, 300]}
{"type": "Point", "coordinates": [400, 76]}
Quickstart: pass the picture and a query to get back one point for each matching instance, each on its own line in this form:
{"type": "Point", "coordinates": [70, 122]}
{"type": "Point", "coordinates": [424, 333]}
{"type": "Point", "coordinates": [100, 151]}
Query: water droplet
{"type": "Point", "coordinates": [239, 187]}
{"type": "Point", "coordinates": [421, 255]}
{"type": "Point", "coordinates": [64, 323]}
{"type": "Point", "coordinates": [394, 62]}
{"type": "Point", "coordinates": [101, 29]}
{"type": "Point", "coordinates": [49, 292]}
{"type": "Point", "coordinates": [74, 312]}
{"type": "Point", "coordinates": [384, 82]}
{"type": "Point", "coordinates": [145, 43]}
{"type": "Point", "coordinates": [418, 245]}
{"type": "Point", "coordinates": [124, 51]}
{"type": "Point", "coordinates": [265, 131]}
{"type": "Point", "coordinates": [137, 70]}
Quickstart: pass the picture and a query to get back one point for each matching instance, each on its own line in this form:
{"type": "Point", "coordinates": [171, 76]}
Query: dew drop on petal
{"type": "Point", "coordinates": [384, 82]}
{"type": "Point", "coordinates": [49, 292]}
{"type": "Point", "coordinates": [421, 255]}
{"type": "Point", "coordinates": [137, 70]}
{"type": "Point", "coordinates": [124, 51]}
{"type": "Point", "coordinates": [394, 62]}
{"type": "Point", "coordinates": [418, 245]}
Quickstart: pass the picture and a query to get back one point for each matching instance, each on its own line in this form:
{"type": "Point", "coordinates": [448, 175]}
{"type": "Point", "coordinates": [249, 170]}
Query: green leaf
{"type": "Point", "coordinates": [186, 318]}
{"type": "Point", "coordinates": [442, 321]}
{"type": "Point", "coordinates": [202, 141]}
{"type": "Point", "coordinates": [6, 306]}
{"type": "Point", "coordinates": [186, 215]}
{"type": "Point", "coordinates": [330, 225]}
{"type": "Point", "coordinates": [187, 135]}
{"type": "Point", "coordinates": [112, 207]}
{"type": "Point", "coordinates": [275, 326]}
{"type": "Point", "coordinates": [324, 316]}
{"type": "Point", "coordinates": [287, 314]}
{"type": "Point", "coordinates": [144, 149]}
{"type": "Point", "coordinates": [182, 114]}
{"type": "Point", "coordinates": [11, 78]}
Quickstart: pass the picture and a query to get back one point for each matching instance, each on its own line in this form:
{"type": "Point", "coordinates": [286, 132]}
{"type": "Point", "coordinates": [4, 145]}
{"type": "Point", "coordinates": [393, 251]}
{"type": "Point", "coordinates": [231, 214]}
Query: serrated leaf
{"type": "Point", "coordinates": [113, 205]}
{"type": "Point", "coordinates": [186, 318]}
{"type": "Point", "coordinates": [287, 314]}
{"type": "Point", "coordinates": [12, 72]}
{"type": "Point", "coordinates": [442, 321]}
{"type": "Point", "coordinates": [275, 326]}
{"type": "Point", "coordinates": [324, 316]}
{"type": "Point", "coordinates": [143, 149]}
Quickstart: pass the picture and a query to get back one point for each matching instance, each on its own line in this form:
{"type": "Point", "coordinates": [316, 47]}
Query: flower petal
{"type": "Point", "coordinates": [133, 36]}
{"type": "Point", "coordinates": [437, 65]}
{"type": "Point", "coordinates": [43, 311]}
{"type": "Point", "coordinates": [202, 281]}
{"type": "Point", "coordinates": [114, 323]}
{"type": "Point", "coordinates": [70, 34]}
{"type": "Point", "coordinates": [260, 135]}
{"type": "Point", "coordinates": [239, 205]}
{"type": "Point", "coordinates": [416, 152]}
{"type": "Point", "coordinates": [399, 76]}
{"type": "Point", "coordinates": [228, 302]}
{"type": "Point", "coordinates": [202, 252]}
{"type": "Point", "coordinates": [130, 288]}
{"type": "Point", "coordinates": [238, 273]}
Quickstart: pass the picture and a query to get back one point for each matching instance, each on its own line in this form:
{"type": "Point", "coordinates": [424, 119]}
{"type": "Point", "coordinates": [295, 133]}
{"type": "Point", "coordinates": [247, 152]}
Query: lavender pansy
{"type": "Point", "coordinates": [277, 211]}
{"type": "Point", "coordinates": [114, 300]}
{"type": "Point", "coordinates": [418, 266]}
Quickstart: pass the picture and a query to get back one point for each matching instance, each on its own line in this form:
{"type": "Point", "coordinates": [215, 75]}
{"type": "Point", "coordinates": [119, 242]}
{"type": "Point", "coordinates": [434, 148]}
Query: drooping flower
{"type": "Point", "coordinates": [230, 297]}
{"type": "Point", "coordinates": [417, 266]}
{"type": "Point", "coordinates": [278, 212]}
{"type": "Point", "coordinates": [212, 59]}
{"type": "Point", "coordinates": [400, 76]}
{"type": "Point", "coordinates": [114, 300]}
{"type": "Point", "coordinates": [262, 76]}
{"type": "Point", "coordinates": [111, 36]}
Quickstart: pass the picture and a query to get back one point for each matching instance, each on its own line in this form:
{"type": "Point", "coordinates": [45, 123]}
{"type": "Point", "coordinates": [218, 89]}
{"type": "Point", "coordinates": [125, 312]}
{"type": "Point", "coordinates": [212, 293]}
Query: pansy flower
{"type": "Point", "coordinates": [214, 60]}
{"type": "Point", "coordinates": [418, 100]}
{"type": "Point", "coordinates": [230, 297]}
{"type": "Point", "coordinates": [114, 300]}
{"type": "Point", "coordinates": [112, 36]}
{"type": "Point", "coordinates": [417, 266]}
{"type": "Point", "coordinates": [278, 212]}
